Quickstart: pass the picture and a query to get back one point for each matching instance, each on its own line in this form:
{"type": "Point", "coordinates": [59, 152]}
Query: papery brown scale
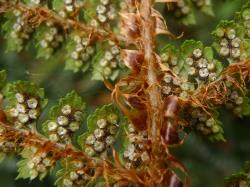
{"type": "Point", "coordinates": [171, 107]}
{"type": "Point", "coordinates": [175, 181]}
{"type": "Point", "coordinates": [3, 117]}
{"type": "Point", "coordinates": [138, 117]}
{"type": "Point", "coordinates": [172, 180]}
{"type": "Point", "coordinates": [160, 24]}
{"type": "Point", "coordinates": [174, 163]}
{"type": "Point", "coordinates": [138, 114]}
{"type": "Point", "coordinates": [130, 26]}
{"type": "Point", "coordinates": [169, 129]}
{"type": "Point", "coordinates": [133, 59]}
{"type": "Point", "coordinates": [131, 101]}
{"type": "Point", "coordinates": [169, 133]}
{"type": "Point", "coordinates": [162, 69]}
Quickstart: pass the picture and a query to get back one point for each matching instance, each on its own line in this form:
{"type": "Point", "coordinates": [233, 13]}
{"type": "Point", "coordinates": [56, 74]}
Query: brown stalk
{"type": "Point", "coordinates": [30, 138]}
{"type": "Point", "coordinates": [154, 93]}
{"type": "Point", "coordinates": [142, 102]}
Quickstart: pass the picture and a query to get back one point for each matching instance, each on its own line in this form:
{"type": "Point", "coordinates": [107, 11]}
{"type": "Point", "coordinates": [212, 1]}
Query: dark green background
{"type": "Point", "coordinates": [206, 162]}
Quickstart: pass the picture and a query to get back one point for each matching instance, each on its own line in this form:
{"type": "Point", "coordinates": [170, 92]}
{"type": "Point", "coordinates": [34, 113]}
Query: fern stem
{"type": "Point", "coordinates": [154, 94]}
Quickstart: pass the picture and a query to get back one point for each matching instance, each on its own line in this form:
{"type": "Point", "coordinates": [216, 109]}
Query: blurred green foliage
{"type": "Point", "coordinates": [206, 162]}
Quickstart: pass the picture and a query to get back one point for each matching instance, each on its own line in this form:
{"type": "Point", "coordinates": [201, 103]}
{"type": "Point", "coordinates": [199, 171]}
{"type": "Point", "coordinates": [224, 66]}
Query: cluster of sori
{"type": "Point", "coordinates": [172, 84]}
{"type": "Point", "coordinates": [181, 8]}
{"type": "Point", "coordinates": [102, 136]}
{"type": "Point", "coordinates": [9, 144]}
{"type": "Point", "coordinates": [128, 7]}
{"type": "Point", "coordinates": [229, 43]}
{"type": "Point", "coordinates": [78, 176]}
{"type": "Point", "coordinates": [171, 61]}
{"type": "Point", "coordinates": [80, 54]}
{"type": "Point", "coordinates": [38, 162]}
{"type": "Point", "coordinates": [135, 154]}
{"type": "Point", "coordinates": [203, 122]}
{"type": "Point", "coordinates": [200, 68]}
{"type": "Point", "coordinates": [68, 7]}
{"type": "Point", "coordinates": [62, 128]}
{"type": "Point", "coordinates": [235, 101]}
{"type": "Point", "coordinates": [202, 3]}
{"type": "Point", "coordinates": [7, 147]}
{"type": "Point", "coordinates": [246, 20]}
{"type": "Point", "coordinates": [37, 2]}
{"type": "Point", "coordinates": [26, 111]}
{"type": "Point", "coordinates": [175, 85]}
{"type": "Point", "coordinates": [51, 39]}
{"type": "Point", "coordinates": [110, 62]}
{"type": "Point", "coordinates": [105, 12]}
{"type": "Point", "coordinates": [20, 32]}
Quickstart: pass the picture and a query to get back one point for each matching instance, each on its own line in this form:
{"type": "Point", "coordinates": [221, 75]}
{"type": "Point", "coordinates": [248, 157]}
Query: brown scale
{"type": "Point", "coordinates": [137, 163]}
